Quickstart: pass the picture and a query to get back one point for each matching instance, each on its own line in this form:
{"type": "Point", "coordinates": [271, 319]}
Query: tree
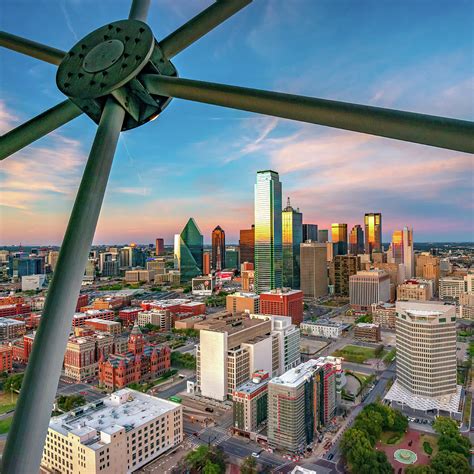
{"type": "Point", "coordinates": [419, 470]}
{"type": "Point", "coordinates": [371, 423]}
{"type": "Point", "coordinates": [67, 403]}
{"type": "Point", "coordinates": [212, 468]}
{"type": "Point", "coordinates": [455, 444]}
{"type": "Point", "coordinates": [13, 383]}
{"type": "Point", "coordinates": [445, 426]}
{"type": "Point", "coordinates": [206, 460]}
{"type": "Point", "coordinates": [249, 466]}
{"type": "Point", "coordinates": [450, 463]}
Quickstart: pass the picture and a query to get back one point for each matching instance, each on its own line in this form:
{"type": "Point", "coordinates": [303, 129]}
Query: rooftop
{"type": "Point", "coordinates": [125, 409]}
{"type": "Point", "coordinates": [10, 322]}
{"type": "Point", "coordinates": [253, 385]}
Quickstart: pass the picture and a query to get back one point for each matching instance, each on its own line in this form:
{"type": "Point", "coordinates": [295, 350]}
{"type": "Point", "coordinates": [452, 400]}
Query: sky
{"type": "Point", "coordinates": [200, 161]}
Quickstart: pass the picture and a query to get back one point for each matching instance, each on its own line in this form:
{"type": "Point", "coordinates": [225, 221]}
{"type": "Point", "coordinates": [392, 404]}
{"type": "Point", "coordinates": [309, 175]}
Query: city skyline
{"type": "Point", "coordinates": [333, 175]}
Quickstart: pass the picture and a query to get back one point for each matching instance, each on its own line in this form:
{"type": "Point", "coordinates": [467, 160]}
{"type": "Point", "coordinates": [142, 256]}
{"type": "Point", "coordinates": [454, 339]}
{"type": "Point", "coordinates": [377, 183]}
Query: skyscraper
{"type": "Point", "coordinates": [247, 245]}
{"type": "Point", "coordinates": [188, 251]}
{"type": "Point", "coordinates": [323, 235]}
{"type": "Point", "coordinates": [268, 232]}
{"type": "Point", "coordinates": [314, 273]}
{"type": "Point", "coordinates": [310, 232]}
{"type": "Point", "coordinates": [218, 249]}
{"type": "Point", "coordinates": [401, 250]}
{"type": "Point", "coordinates": [339, 238]}
{"type": "Point", "coordinates": [292, 236]}
{"type": "Point", "coordinates": [356, 240]}
{"type": "Point", "coordinates": [160, 246]}
{"type": "Point", "coordinates": [373, 232]}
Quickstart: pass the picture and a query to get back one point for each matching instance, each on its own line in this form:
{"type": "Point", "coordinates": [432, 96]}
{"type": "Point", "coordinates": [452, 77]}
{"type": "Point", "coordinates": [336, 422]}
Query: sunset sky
{"type": "Point", "coordinates": [200, 161]}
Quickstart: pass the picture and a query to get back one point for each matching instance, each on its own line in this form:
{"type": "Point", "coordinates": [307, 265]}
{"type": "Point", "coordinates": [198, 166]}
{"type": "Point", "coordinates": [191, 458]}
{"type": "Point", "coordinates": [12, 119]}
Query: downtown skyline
{"type": "Point", "coordinates": [161, 173]}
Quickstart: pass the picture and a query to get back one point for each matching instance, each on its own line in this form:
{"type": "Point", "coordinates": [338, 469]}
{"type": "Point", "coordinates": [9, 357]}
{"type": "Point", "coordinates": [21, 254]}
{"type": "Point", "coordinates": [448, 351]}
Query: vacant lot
{"type": "Point", "coordinates": [356, 354]}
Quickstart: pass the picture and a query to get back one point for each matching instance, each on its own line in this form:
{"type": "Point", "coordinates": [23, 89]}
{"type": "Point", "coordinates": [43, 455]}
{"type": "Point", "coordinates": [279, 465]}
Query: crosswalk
{"type": "Point", "coordinates": [216, 436]}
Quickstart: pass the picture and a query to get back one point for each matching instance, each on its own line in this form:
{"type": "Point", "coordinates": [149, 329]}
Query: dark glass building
{"type": "Point", "coordinates": [356, 240]}
{"type": "Point", "coordinates": [188, 251]}
{"type": "Point", "coordinates": [218, 249]}
{"type": "Point", "coordinates": [247, 245]}
{"type": "Point", "coordinates": [310, 232]}
{"type": "Point", "coordinates": [292, 236]}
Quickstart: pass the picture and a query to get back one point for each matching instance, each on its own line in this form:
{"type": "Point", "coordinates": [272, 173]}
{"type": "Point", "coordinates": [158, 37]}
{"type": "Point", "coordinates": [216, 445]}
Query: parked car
{"type": "Point", "coordinates": [255, 455]}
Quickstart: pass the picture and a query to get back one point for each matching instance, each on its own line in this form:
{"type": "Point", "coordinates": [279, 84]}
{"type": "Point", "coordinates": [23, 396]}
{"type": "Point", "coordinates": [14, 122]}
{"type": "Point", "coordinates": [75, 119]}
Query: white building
{"type": "Point", "coordinates": [203, 285]}
{"type": "Point", "coordinates": [323, 328]}
{"type": "Point", "coordinates": [33, 282]}
{"type": "Point", "coordinates": [117, 434]}
{"type": "Point", "coordinates": [450, 288]}
{"type": "Point", "coordinates": [157, 317]}
{"type": "Point", "coordinates": [288, 337]}
{"type": "Point", "coordinates": [426, 357]}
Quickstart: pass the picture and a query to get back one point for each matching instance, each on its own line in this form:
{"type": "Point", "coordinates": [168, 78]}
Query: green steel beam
{"type": "Point", "coordinates": [37, 127]}
{"type": "Point", "coordinates": [440, 132]}
{"type": "Point", "coordinates": [139, 10]}
{"type": "Point", "coordinates": [31, 48]}
{"type": "Point", "coordinates": [200, 25]}
{"type": "Point", "coordinates": [24, 446]}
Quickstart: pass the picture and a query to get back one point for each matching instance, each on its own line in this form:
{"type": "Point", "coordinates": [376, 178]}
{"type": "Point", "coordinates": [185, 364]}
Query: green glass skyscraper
{"type": "Point", "coordinates": [188, 251]}
{"type": "Point", "coordinates": [292, 235]}
{"type": "Point", "coordinates": [268, 233]}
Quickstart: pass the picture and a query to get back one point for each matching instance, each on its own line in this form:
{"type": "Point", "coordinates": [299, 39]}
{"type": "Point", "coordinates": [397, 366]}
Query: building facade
{"type": "Point", "coordinates": [310, 232]}
{"type": "Point", "coordinates": [356, 240]}
{"type": "Point", "coordinates": [341, 268]}
{"type": "Point", "coordinates": [188, 251]}
{"type": "Point", "coordinates": [247, 245]}
{"type": "Point", "coordinates": [339, 238]}
{"type": "Point", "coordinates": [368, 287]}
{"type": "Point", "coordinates": [283, 302]}
{"type": "Point", "coordinates": [415, 290]}
{"type": "Point", "coordinates": [218, 249]}
{"type": "Point", "coordinates": [292, 236]}
{"type": "Point", "coordinates": [373, 232]}
{"type": "Point", "coordinates": [241, 302]}
{"type": "Point", "coordinates": [369, 332]}
{"type": "Point", "coordinates": [313, 269]}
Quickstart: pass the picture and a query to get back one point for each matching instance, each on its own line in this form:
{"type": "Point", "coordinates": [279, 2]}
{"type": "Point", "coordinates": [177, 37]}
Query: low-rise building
{"type": "Point", "coordinates": [11, 329]}
{"type": "Point", "coordinates": [104, 325]}
{"type": "Point", "coordinates": [323, 328]}
{"type": "Point", "coordinates": [79, 319]}
{"type": "Point", "coordinates": [203, 285]}
{"type": "Point", "coordinates": [369, 332]}
{"type": "Point", "coordinates": [283, 302]}
{"type": "Point", "coordinates": [188, 323]}
{"type": "Point", "coordinates": [129, 316]}
{"type": "Point", "coordinates": [451, 288]}
{"type": "Point", "coordinates": [241, 302]}
{"type": "Point", "coordinates": [136, 276]}
{"type": "Point", "coordinates": [33, 282]}
{"type": "Point", "coordinates": [118, 434]}
{"type": "Point", "coordinates": [384, 314]}
{"type": "Point", "coordinates": [415, 290]}
{"type": "Point", "coordinates": [6, 358]}
{"type": "Point", "coordinates": [161, 318]}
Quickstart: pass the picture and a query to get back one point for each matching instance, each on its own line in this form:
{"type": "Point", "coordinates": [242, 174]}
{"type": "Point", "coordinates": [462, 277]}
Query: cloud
{"type": "Point", "coordinates": [133, 191]}
{"type": "Point", "coordinates": [7, 119]}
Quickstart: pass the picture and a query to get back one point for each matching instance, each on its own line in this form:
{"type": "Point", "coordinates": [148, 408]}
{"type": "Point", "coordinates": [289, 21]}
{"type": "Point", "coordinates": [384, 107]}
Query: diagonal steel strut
{"type": "Point", "coordinates": [139, 10]}
{"type": "Point", "coordinates": [31, 48]}
{"type": "Point", "coordinates": [441, 132]}
{"type": "Point", "coordinates": [37, 127]}
{"type": "Point", "coordinates": [27, 434]}
{"type": "Point", "coordinates": [200, 25]}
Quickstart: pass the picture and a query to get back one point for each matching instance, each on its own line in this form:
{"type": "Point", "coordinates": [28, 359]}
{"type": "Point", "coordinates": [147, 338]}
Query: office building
{"type": "Point", "coordinates": [204, 285]}
{"type": "Point", "coordinates": [292, 236]}
{"type": "Point", "coordinates": [206, 262]}
{"type": "Point", "coordinates": [188, 251]}
{"type": "Point", "coordinates": [117, 434]}
{"type": "Point", "coordinates": [248, 280]}
{"type": "Point", "coordinates": [368, 287]}
{"type": "Point", "coordinates": [141, 362]}
{"type": "Point", "coordinates": [301, 401]}
{"type": "Point", "coordinates": [52, 259]}
{"type": "Point", "coordinates": [402, 252]}
{"type": "Point", "coordinates": [323, 235]}
{"type": "Point", "coordinates": [218, 249]}
{"type": "Point", "coordinates": [426, 357]}
{"type": "Point", "coordinates": [162, 319]}
{"type": "Point", "coordinates": [451, 288]}
{"type": "Point", "coordinates": [247, 245]}
{"type": "Point", "coordinates": [157, 265]}
{"type": "Point", "coordinates": [97, 324]}
{"type": "Point", "coordinates": [313, 269]}
{"type": "Point", "coordinates": [109, 264]}
{"type": "Point", "coordinates": [232, 258]}
{"type": "Point", "coordinates": [428, 267]}
{"type": "Point", "coordinates": [340, 269]}
{"type": "Point", "coordinates": [323, 328]}
{"type": "Point", "coordinates": [33, 282]}
{"type": "Point", "coordinates": [22, 266]}
{"type": "Point", "coordinates": [339, 238]}
{"type": "Point", "coordinates": [11, 329]}
{"type": "Point", "coordinates": [368, 332]}
{"type": "Point", "coordinates": [159, 247]}
{"type": "Point", "coordinates": [283, 302]}
{"type": "Point", "coordinates": [415, 289]}
{"type": "Point", "coordinates": [250, 404]}
{"type": "Point", "coordinates": [310, 232]}
{"type": "Point", "coordinates": [6, 358]}
{"type": "Point", "coordinates": [384, 314]}
{"type": "Point", "coordinates": [373, 232]}
{"type": "Point", "coordinates": [240, 302]}
{"type": "Point", "coordinates": [268, 232]}
{"type": "Point", "coordinates": [136, 276]}
{"type": "Point", "coordinates": [356, 240]}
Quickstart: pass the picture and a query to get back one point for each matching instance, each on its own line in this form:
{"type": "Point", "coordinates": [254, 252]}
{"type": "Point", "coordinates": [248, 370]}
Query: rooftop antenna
{"type": "Point", "coordinates": [122, 77]}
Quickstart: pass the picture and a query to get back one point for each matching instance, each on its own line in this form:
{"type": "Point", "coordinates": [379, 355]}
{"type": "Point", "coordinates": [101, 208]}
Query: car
{"type": "Point", "coordinates": [255, 455]}
{"type": "Point", "coordinates": [210, 410]}
{"type": "Point", "coordinates": [83, 393]}
{"type": "Point", "coordinates": [330, 456]}
{"type": "Point", "coordinates": [425, 422]}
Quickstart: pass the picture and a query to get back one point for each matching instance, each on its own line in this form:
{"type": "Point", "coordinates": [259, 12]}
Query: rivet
{"type": "Point", "coordinates": [104, 73]}
{"type": "Point", "coordinates": [80, 75]}
{"type": "Point", "coordinates": [81, 56]}
{"type": "Point", "coordinates": [127, 38]}
{"type": "Point", "coordinates": [66, 84]}
{"type": "Point", "coordinates": [106, 37]}
{"type": "Point", "coordinates": [92, 83]}
{"type": "Point", "coordinates": [137, 40]}
{"type": "Point", "coordinates": [126, 55]}
{"type": "Point", "coordinates": [86, 107]}
{"type": "Point", "coordinates": [69, 74]}
{"type": "Point", "coordinates": [137, 57]}
{"type": "Point", "coordinates": [83, 46]}
{"type": "Point", "coordinates": [124, 66]}
{"type": "Point", "coordinates": [109, 27]}
{"type": "Point", "coordinates": [72, 53]}
{"type": "Point", "coordinates": [141, 30]}
{"type": "Point", "coordinates": [118, 29]}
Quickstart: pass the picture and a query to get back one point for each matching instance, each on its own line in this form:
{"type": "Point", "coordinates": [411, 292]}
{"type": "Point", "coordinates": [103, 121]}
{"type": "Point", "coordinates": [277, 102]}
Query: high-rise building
{"type": "Point", "coordinates": [218, 249]}
{"type": "Point", "coordinates": [20, 266]}
{"type": "Point", "coordinates": [292, 236]}
{"type": "Point", "coordinates": [313, 273]}
{"type": "Point", "coordinates": [247, 245]}
{"type": "Point", "coordinates": [117, 434]}
{"type": "Point", "coordinates": [323, 235]}
{"type": "Point", "coordinates": [428, 267]}
{"type": "Point", "coordinates": [339, 238]}
{"type": "Point", "coordinates": [232, 258]}
{"type": "Point", "coordinates": [188, 250]}
{"type": "Point", "coordinates": [301, 401]}
{"type": "Point", "coordinates": [268, 231]}
{"type": "Point", "coordinates": [206, 263]}
{"type": "Point", "coordinates": [159, 246]}
{"type": "Point", "coordinates": [340, 269]}
{"type": "Point", "coordinates": [401, 250]}
{"type": "Point", "coordinates": [356, 240]}
{"type": "Point", "coordinates": [426, 357]}
{"type": "Point", "coordinates": [283, 302]}
{"type": "Point", "coordinates": [310, 232]}
{"type": "Point", "coordinates": [368, 287]}
{"type": "Point", "coordinates": [373, 232]}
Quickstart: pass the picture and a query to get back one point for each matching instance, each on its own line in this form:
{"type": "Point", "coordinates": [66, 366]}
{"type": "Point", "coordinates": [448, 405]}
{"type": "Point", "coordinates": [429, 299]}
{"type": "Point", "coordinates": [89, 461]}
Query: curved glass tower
{"type": "Point", "coordinates": [268, 232]}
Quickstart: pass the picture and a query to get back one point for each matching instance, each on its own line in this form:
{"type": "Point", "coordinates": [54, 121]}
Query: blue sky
{"type": "Point", "coordinates": [199, 160]}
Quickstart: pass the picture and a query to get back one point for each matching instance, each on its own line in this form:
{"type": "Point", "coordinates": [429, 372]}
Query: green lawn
{"type": "Point", "coordinates": [390, 356]}
{"type": "Point", "coordinates": [390, 437]}
{"type": "Point", "coordinates": [428, 440]}
{"type": "Point", "coordinates": [6, 403]}
{"type": "Point", "coordinates": [356, 354]}
{"type": "Point", "coordinates": [5, 424]}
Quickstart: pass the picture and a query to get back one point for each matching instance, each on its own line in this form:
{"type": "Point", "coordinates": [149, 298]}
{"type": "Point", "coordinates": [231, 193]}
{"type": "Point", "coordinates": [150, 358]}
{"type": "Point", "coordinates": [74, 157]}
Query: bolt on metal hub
{"type": "Point", "coordinates": [109, 61]}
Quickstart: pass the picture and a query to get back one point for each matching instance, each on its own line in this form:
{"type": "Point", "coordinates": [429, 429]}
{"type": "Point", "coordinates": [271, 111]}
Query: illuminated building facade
{"type": "Point", "coordinates": [339, 238]}
{"type": "Point", "coordinates": [313, 266]}
{"type": "Point", "coordinates": [292, 236]}
{"type": "Point", "coordinates": [310, 232]}
{"type": "Point", "coordinates": [188, 251]}
{"type": "Point", "coordinates": [356, 240]}
{"type": "Point", "coordinates": [160, 247]}
{"type": "Point", "coordinates": [373, 232]}
{"type": "Point", "coordinates": [218, 249]}
{"type": "Point", "coordinates": [268, 231]}
{"type": "Point", "coordinates": [247, 245]}
{"type": "Point", "coordinates": [206, 263]}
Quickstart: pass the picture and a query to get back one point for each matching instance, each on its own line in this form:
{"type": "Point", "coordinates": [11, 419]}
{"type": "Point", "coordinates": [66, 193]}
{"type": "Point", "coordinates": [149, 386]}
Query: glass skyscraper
{"type": "Point", "coordinates": [310, 232]}
{"type": "Point", "coordinates": [218, 249]}
{"type": "Point", "coordinates": [339, 238]}
{"type": "Point", "coordinates": [373, 232]}
{"type": "Point", "coordinates": [356, 240]}
{"type": "Point", "coordinates": [188, 251]}
{"type": "Point", "coordinates": [292, 236]}
{"type": "Point", "coordinates": [268, 232]}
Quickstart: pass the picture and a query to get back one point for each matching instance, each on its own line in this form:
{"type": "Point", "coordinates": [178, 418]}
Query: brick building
{"type": "Point", "coordinates": [141, 362]}
{"type": "Point", "coordinates": [82, 300]}
{"type": "Point", "coordinates": [128, 316]}
{"type": "Point", "coordinates": [98, 324]}
{"type": "Point", "coordinates": [11, 329]}
{"type": "Point", "coordinates": [283, 302]}
{"type": "Point", "coordinates": [16, 309]}
{"type": "Point", "coordinates": [80, 319]}
{"type": "Point", "coordinates": [6, 358]}
{"type": "Point", "coordinates": [367, 332]}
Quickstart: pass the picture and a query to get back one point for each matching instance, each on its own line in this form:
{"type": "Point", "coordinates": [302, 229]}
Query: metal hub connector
{"type": "Point", "coordinates": [110, 61]}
